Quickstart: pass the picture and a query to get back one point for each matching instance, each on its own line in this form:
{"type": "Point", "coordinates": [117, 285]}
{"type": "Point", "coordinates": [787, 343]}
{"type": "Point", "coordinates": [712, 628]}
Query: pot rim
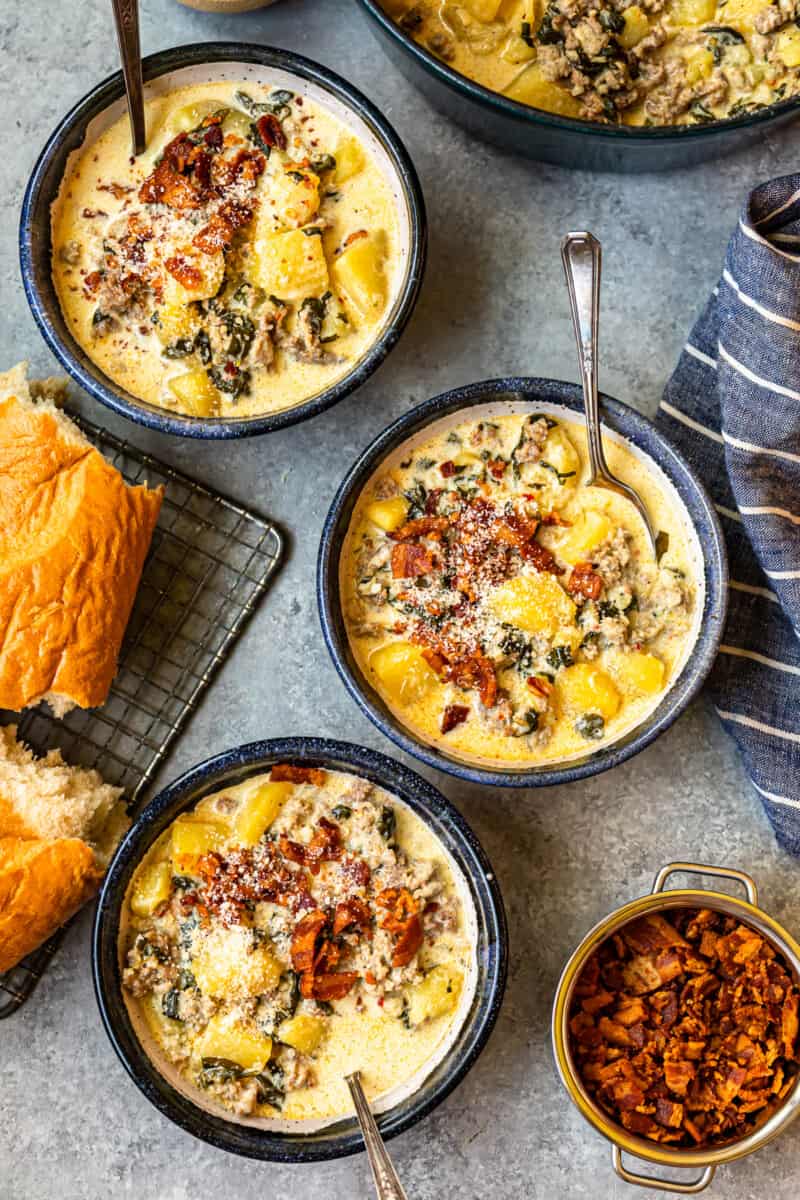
{"type": "Point", "coordinates": [39, 195]}
{"type": "Point", "coordinates": [658, 900]}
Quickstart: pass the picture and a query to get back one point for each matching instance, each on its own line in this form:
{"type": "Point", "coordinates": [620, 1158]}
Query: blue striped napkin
{"type": "Point", "coordinates": [733, 407]}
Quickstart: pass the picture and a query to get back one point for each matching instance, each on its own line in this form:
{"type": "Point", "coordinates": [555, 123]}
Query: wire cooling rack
{"type": "Point", "coordinates": [210, 561]}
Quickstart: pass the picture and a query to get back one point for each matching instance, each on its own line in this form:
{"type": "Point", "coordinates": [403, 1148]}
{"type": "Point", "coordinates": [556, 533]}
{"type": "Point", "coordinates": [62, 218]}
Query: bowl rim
{"type": "Point", "coordinates": [659, 901]}
{"type": "Point", "coordinates": [75, 360]}
{"type": "Point", "coordinates": [430, 805]}
{"type": "Point", "coordinates": [537, 116]}
{"type": "Point", "coordinates": [625, 421]}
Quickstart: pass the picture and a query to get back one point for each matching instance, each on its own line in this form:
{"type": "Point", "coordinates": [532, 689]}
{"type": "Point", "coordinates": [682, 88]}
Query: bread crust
{"type": "Point", "coordinates": [73, 540]}
{"type": "Point", "coordinates": [42, 884]}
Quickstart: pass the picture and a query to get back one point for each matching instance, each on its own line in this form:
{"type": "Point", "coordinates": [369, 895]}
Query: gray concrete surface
{"type": "Point", "coordinates": [72, 1126]}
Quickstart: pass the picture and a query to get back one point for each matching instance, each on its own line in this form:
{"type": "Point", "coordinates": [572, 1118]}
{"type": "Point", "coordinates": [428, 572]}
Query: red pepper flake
{"type": "Point", "coordinates": [539, 685]}
{"type": "Point", "coordinates": [448, 468]}
{"type": "Point", "coordinates": [454, 715]}
{"type": "Point", "coordinates": [359, 233]}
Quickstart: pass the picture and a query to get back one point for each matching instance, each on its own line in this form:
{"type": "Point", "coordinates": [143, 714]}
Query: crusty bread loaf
{"type": "Point", "coordinates": [73, 540]}
{"type": "Point", "coordinates": [59, 826]}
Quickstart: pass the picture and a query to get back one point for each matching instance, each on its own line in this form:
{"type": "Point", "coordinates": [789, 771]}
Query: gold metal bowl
{"type": "Point", "coordinates": [708, 1158]}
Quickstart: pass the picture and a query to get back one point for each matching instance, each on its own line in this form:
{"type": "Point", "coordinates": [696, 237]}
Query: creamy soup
{"type": "Point", "coordinates": [242, 265]}
{"type": "Point", "coordinates": [506, 612]}
{"type": "Point", "coordinates": [654, 62]}
{"type": "Point", "coordinates": [289, 931]}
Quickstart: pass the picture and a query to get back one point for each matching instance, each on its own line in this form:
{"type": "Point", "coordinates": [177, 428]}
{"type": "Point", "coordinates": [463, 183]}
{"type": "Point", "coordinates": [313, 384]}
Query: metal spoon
{"type": "Point", "coordinates": [387, 1185]}
{"type": "Point", "coordinates": [581, 255]}
{"type": "Point", "coordinates": [126, 19]}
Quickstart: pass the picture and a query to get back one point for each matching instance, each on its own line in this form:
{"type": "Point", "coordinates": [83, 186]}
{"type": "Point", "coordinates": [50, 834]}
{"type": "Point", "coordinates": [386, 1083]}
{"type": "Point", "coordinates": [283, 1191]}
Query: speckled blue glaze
{"type": "Point", "coordinates": [230, 768]}
{"type": "Point", "coordinates": [35, 243]}
{"type": "Point", "coordinates": [567, 141]}
{"type": "Point", "coordinates": [638, 431]}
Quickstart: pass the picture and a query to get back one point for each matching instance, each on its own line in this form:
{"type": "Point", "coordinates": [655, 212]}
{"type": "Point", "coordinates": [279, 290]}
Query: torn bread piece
{"type": "Point", "coordinates": [73, 540]}
{"type": "Point", "coordinates": [59, 826]}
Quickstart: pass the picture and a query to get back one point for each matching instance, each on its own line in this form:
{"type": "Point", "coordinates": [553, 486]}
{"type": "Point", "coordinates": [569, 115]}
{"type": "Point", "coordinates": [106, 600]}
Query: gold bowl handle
{"type": "Point", "coordinates": [665, 1185]}
{"type": "Point", "coordinates": [746, 881]}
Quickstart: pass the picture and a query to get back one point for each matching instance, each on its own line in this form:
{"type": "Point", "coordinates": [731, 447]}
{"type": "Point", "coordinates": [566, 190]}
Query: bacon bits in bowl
{"type": "Point", "coordinates": [498, 617]}
{"type": "Point", "coordinates": [255, 264]}
{"type": "Point", "coordinates": [284, 915]}
{"type": "Point", "coordinates": [675, 1028]}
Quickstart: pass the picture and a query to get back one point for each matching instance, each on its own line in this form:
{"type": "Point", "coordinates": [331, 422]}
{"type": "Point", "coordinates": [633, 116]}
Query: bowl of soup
{"type": "Point", "coordinates": [497, 617]}
{"type": "Point", "coordinates": [620, 87]}
{"type": "Point", "coordinates": [285, 914]}
{"type": "Point", "coordinates": [253, 266]}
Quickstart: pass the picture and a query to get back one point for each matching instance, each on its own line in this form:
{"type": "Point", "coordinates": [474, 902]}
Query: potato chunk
{"type": "Point", "coordinates": [195, 393]}
{"type": "Point", "coordinates": [436, 995]}
{"type": "Point", "coordinates": [259, 810]}
{"type": "Point", "coordinates": [227, 963]}
{"type": "Point", "coordinates": [590, 529]}
{"type": "Point", "coordinates": [151, 886]}
{"type": "Point", "coordinates": [222, 1038]}
{"type": "Point", "coordinates": [388, 514]}
{"type": "Point", "coordinates": [535, 603]}
{"type": "Point", "coordinates": [403, 671]}
{"type": "Point", "coordinates": [191, 838]}
{"type": "Point", "coordinates": [359, 272]}
{"type": "Point", "coordinates": [531, 87]}
{"type": "Point", "coordinates": [586, 688]}
{"type": "Point", "coordinates": [699, 12]}
{"type": "Point", "coordinates": [290, 265]}
{"type": "Point", "coordinates": [787, 44]}
{"type": "Point", "coordinates": [638, 673]}
{"type": "Point", "coordinates": [484, 10]}
{"type": "Point", "coordinates": [176, 322]}
{"type": "Point", "coordinates": [189, 274]}
{"type": "Point", "coordinates": [301, 1031]}
{"type": "Point", "coordinates": [637, 26]}
{"type": "Point", "coordinates": [350, 159]}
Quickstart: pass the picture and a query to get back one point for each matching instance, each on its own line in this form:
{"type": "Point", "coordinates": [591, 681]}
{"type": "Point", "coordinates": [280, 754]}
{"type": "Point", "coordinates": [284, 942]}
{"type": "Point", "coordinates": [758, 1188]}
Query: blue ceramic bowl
{"type": "Point", "coordinates": [509, 395]}
{"type": "Point", "coordinates": [232, 60]}
{"type": "Point", "coordinates": [566, 141]}
{"type": "Point", "coordinates": [230, 768]}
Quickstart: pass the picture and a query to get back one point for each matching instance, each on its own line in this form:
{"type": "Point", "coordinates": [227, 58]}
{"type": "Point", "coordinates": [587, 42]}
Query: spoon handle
{"type": "Point", "coordinates": [126, 19]}
{"type": "Point", "coordinates": [387, 1184]}
{"type": "Point", "coordinates": [582, 259]}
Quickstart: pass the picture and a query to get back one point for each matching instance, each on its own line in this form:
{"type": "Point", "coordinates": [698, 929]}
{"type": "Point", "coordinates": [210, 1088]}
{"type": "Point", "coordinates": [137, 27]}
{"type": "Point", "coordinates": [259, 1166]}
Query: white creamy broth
{"type": "Point", "coordinates": [241, 277]}
{"type": "Point", "coordinates": [226, 991]}
{"type": "Point", "coordinates": [504, 611]}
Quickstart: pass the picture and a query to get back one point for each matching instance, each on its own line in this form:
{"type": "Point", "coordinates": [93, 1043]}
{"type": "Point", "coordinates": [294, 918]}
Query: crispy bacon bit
{"type": "Point", "coordinates": [684, 1027]}
{"type": "Point", "coordinates": [436, 661]}
{"type": "Point", "coordinates": [448, 468]}
{"type": "Point", "coordinates": [186, 273]}
{"type": "Point", "coordinates": [356, 870]}
{"type": "Point", "coordinates": [182, 177]}
{"type": "Point", "coordinates": [304, 940]}
{"type": "Point", "coordinates": [497, 467]}
{"type": "Point", "coordinates": [477, 672]}
{"type": "Point", "coordinates": [287, 773]}
{"type": "Point", "coordinates": [410, 561]}
{"type": "Point", "coordinates": [584, 582]}
{"type": "Point", "coordinates": [213, 137]}
{"type": "Point", "coordinates": [454, 715]}
{"type": "Point", "coordinates": [403, 921]}
{"type": "Point", "coordinates": [538, 684]}
{"type": "Point", "coordinates": [541, 558]}
{"type": "Point", "coordinates": [327, 987]}
{"type": "Point", "coordinates": [93, 280]}
{"type": "Point", "coordinates": [325, 846]}
{"type": "Point", "coordinates": [352, 913]}
{"type": "Point", "coordinates": [270, 131]}
{"type": "Point", "coordinates": [244, 167]}
{"type": "Point", "coordinates": [419, 527]}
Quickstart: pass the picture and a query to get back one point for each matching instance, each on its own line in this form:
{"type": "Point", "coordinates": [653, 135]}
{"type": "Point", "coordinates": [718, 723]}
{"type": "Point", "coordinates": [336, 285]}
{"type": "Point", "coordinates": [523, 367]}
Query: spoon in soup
{"type": "Point", "coordinates": [387, 1184]}
{"type": "Point", "coordinates": [126, 19]}
{"type": "Point", "coordinates": [582, 258]}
